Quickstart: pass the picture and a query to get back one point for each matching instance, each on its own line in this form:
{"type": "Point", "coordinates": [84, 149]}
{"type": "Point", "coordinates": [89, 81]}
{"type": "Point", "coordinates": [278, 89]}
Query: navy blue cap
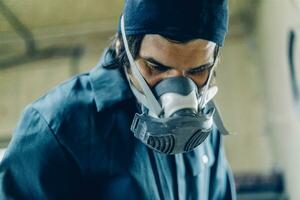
{"type": "Point", "coordinates": [180, 20]}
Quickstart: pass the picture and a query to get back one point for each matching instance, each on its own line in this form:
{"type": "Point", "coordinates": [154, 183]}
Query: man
{"type": "Point", "coordinates": [140, 124]}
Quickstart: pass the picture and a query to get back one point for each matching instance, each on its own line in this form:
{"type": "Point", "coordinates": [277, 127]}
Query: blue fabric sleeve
{"type": "Point", "coordinates": [221, 179]}
{"type": "Point", "coordinates": [36, 165]}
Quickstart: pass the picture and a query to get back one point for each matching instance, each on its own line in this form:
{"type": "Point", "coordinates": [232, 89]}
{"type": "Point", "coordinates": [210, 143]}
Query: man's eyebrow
{"type": "Point", "coordinates": [155, 62]}
{"type": "Point", "coordinates": [201, 67]}
{"type": "Point", "coordinates": [191, 69]}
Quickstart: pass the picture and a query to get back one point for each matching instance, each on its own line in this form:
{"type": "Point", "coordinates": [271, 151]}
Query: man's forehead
{"type": "Point", "coordinates": [191, 53]}
{"type": "Point", "coordinates": [161, 40]}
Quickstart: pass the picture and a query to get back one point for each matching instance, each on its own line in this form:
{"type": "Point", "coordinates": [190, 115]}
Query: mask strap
{"type": "Point", "coordinates": [218, 119]}
{"type": "Point", "coordinates": [210, 94]}
{"type": "Point", "coordinates": [204, 99]}
{"type": "Point", "coordinates": [148, 99]}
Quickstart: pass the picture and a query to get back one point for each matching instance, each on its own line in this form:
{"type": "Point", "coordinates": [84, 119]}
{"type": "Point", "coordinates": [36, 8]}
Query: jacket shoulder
{"type": "Point", "coordinates": [72, 98]}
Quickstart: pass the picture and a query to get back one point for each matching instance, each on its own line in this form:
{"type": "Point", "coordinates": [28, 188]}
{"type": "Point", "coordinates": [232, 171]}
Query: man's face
{"type": "Point", "coordinates": [160, 58]}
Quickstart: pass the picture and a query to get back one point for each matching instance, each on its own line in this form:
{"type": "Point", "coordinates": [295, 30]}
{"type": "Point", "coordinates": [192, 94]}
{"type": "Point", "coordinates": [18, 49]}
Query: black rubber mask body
{"type": "Point", "coordinates": [182, 126]}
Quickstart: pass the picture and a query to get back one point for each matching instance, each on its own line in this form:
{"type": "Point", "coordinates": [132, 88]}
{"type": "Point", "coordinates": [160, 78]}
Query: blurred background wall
{"type": "Point", "coordinates": [77, 31]}
{"type": "Point", "coordinates": [64, 25]}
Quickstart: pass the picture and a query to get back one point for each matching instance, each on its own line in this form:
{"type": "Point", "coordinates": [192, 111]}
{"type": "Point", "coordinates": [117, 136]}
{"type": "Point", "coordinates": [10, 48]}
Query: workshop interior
{"type": "Point", "coordinates": [43, 43]}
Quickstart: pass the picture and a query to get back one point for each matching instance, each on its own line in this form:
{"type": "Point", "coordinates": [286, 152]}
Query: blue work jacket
{"type": "Point", "coordinates": [75, 143]}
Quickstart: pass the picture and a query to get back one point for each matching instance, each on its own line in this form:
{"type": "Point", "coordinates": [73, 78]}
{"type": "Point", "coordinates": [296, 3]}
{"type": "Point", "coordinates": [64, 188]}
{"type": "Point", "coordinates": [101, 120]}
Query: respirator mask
{"type": "Point", "coordinates": [176, 115]}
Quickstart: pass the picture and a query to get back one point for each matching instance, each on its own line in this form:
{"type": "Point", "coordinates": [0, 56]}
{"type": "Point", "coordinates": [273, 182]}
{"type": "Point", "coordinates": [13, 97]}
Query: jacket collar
{"type": "Point", "coordinates": [109, 85]}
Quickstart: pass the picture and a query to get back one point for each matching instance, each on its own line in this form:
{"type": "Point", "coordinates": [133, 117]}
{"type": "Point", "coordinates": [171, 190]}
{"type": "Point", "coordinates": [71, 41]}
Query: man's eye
{"type": "Point", "coordinates": [157, 67]}
{"type": "Point", "coordinates": [199, 70]}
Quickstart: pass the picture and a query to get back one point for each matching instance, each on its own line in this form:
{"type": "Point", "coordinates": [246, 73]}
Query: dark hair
{"type": "Point", "coordinates": [134, 44]}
